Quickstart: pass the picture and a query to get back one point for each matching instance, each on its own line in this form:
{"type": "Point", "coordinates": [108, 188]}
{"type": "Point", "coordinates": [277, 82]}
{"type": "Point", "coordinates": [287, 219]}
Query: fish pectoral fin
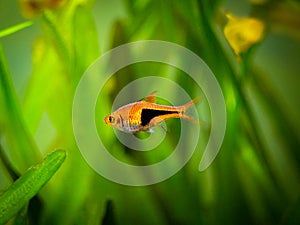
{"type": "Point", "coordinates": [164, 127]}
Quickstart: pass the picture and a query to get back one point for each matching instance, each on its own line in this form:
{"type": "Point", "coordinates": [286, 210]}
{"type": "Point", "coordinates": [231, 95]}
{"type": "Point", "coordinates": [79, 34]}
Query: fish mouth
{"type": "Point", "coordinates": [106, 120]}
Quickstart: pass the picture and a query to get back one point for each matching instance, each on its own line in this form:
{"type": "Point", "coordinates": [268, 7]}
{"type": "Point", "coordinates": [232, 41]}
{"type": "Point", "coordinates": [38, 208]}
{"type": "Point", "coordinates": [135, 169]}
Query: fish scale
{"type": "Point", "coordinates": [135, 115]}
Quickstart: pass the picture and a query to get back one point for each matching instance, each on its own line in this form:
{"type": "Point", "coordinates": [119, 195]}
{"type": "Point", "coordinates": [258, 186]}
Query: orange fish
{"type": "Point", "coordinates": [146, 114]}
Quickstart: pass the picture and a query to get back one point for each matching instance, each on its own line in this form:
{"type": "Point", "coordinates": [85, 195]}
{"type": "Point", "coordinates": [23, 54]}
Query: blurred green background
{"type": "Point", "coordinates": [255, 178]}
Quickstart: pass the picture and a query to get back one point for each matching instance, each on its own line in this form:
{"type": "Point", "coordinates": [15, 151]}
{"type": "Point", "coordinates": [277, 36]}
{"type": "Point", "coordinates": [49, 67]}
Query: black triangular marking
{"type": "Point", "coordinates": [148, 114]}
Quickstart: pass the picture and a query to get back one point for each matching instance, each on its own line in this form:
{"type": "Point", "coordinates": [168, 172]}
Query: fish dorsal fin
{"type": "Point", "coordinates": [151, 98]}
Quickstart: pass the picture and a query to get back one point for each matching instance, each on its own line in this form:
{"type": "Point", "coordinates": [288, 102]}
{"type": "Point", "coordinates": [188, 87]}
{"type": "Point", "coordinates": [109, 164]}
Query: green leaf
{"type": "Point", "coordinates": [28, 185]}
{"type": "Point", "coordinates": [15, 28]}
{"type": "Point", "coordinates": [12, 121]}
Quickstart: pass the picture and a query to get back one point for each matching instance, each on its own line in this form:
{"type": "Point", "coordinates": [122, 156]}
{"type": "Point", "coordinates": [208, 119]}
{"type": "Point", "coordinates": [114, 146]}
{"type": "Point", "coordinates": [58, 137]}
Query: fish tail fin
{"type": "Point", "coordinates": [191, 119]}
{"type": "Point", "coordinates": [187, 106]}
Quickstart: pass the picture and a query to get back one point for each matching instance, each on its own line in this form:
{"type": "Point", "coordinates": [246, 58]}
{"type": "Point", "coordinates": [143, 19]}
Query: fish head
{"type": "Point", "coordinates": [117, 120]}
{"type": "Point", "coordinates": [111, 120]}
{"type": "Point", "coordinates": [120, 118]}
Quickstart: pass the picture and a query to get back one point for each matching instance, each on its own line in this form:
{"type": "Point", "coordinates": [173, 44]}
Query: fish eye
{"type": "Point", "coordinates": [111, 119]}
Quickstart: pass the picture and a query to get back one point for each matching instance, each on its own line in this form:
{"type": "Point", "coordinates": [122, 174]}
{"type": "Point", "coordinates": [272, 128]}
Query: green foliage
{"type": "Point", "coordinates": [255, 179]}
{"type": "Point", "coordinates": [14, 29]}
{"type": "Point", "coordinates": [28, 185]}
{"type": "Point", "coordinates": [13, 122]}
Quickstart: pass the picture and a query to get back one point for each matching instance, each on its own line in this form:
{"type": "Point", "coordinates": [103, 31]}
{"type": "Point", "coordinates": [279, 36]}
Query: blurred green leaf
{"type": "Point", "coordinates": [28, 185]}
{"type": "Point", "coordinates": [60, 57]}
{"type": "Point", "coordinates": [19, 140]}
{"type": "Point", "coordinates": [15, 28]}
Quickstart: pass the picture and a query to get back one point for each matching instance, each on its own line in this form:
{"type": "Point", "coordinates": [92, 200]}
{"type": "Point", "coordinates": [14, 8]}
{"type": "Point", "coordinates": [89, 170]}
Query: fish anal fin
{"type": "Point", "coordinates": [151, 97]}
{"type": "Point", "coordinates": [155, 121]}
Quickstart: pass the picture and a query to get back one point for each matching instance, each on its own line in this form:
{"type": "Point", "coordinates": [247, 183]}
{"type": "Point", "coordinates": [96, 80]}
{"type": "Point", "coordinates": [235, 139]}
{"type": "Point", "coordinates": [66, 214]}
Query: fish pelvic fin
{"type": "Point", "coordinates": [151, 131]}
{"type": "Point", "coordinates": [187, 106]}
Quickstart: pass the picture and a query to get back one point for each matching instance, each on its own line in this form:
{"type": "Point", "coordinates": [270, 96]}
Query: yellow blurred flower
{"type": "Point", "coordinates": [242, 32]}
{"type": "Point", "coordinates": [31, 8]}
